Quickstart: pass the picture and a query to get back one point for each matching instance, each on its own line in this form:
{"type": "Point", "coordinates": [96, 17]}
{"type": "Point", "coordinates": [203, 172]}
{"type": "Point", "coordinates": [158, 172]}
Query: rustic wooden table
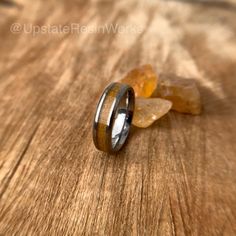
{"type": "Point", "coordinates": [176, 177]}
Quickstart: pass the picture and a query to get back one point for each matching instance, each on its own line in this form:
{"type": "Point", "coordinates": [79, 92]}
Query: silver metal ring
{"type": "Point", "coordinates": [113, 117]}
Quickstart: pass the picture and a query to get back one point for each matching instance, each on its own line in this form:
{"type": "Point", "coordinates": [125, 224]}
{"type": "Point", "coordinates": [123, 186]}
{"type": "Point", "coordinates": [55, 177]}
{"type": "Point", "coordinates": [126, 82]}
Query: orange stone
{"type": "Point", "coordinates": [148, 110]}
{"type": "Point", "coordinates": [182, 92]}
{"type": "Point", "coordinates": [143, 80]}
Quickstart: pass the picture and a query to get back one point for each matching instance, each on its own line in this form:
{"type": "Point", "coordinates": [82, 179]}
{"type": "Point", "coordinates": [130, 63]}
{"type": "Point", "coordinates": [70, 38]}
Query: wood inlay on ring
{"type": "Point", "coordinates": [104, 115]}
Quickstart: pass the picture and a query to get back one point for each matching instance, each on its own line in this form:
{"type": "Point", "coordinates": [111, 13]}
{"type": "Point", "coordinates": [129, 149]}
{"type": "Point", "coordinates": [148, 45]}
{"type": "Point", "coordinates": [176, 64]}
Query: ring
{"type": "Point", "coordinates": [113, 117]}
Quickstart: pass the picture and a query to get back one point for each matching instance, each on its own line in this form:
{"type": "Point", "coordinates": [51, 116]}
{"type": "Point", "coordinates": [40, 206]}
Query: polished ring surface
{"type": "Point", "coordinates": [113, 117]}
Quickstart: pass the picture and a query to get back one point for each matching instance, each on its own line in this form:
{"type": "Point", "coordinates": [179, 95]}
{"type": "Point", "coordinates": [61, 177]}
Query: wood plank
{"type": "Point", "coordinates": [174, 178]}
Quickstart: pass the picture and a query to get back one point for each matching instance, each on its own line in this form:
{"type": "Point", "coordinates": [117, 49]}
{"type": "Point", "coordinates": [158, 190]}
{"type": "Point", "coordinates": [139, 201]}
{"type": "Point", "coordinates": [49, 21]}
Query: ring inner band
{"type": "Point", "coordinates": [113, 117]}
{"type": "Point", "coordinates": [120, 129]}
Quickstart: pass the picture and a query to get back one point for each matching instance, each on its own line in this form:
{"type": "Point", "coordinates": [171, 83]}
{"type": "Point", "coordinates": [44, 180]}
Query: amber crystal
{"type": "Point", "coordinates": [182, 92]}
{"type": "Point", "coordinates": [148, 110]}
{"type": "Point", "coordinates": [143, 79]}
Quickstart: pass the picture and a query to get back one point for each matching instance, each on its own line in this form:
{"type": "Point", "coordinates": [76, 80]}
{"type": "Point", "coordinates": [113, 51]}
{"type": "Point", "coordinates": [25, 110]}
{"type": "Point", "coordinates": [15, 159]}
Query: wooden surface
{"type": "Point", "coordinates": [177, 177]}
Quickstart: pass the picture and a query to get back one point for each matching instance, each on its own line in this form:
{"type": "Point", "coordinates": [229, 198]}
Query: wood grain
{"type": "Point", "coordinates": [175, 178]}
